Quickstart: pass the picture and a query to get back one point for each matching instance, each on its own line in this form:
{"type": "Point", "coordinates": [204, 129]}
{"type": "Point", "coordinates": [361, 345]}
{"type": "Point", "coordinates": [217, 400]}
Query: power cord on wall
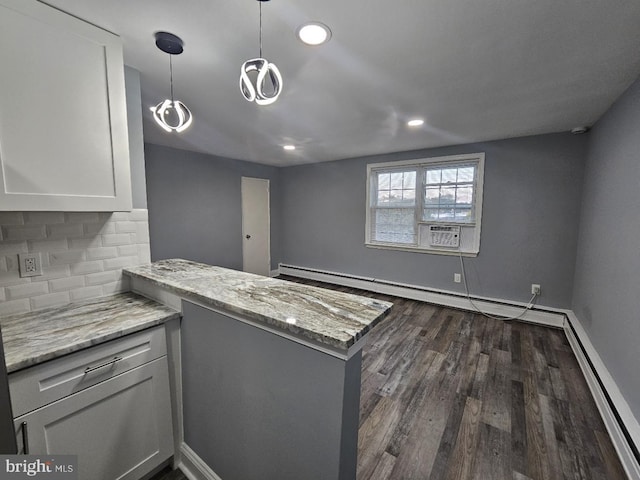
{"type": "Point", "coordinates": [478, 309]}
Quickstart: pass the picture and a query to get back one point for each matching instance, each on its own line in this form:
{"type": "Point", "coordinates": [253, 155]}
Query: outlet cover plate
{"type": "Point", "coordinates": [30, 264]}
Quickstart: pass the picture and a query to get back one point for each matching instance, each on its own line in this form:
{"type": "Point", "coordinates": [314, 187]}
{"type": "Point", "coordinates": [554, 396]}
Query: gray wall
{"type": "Point", "coordinates": [529, 227]}
{"type": "Point", "coordinates": [607, 281]}
{"type": "Point", "coordinates": [195, 206]}
{"type": "Point", "coordinates": [136, 141]}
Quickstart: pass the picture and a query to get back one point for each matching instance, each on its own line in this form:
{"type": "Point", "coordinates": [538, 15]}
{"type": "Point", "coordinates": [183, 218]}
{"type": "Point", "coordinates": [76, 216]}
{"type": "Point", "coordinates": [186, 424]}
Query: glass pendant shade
{"type": "Point", "coordinates": [260, 80]}
{"type": "Point", "coordinates": [172, 116]}
{"type": "Point", "coordinates": [265, 86]}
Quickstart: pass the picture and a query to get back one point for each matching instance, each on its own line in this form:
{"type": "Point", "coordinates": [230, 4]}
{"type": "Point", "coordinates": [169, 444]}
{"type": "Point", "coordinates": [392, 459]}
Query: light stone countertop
{"type": "Point", "coordinates": [328, 317]}
{"type": "Point", "coordinates": [35, 337]}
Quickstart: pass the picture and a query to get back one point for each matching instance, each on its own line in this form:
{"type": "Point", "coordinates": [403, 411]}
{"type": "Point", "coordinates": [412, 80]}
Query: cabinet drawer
{"type": "Point", "coordinates": [42, 384]}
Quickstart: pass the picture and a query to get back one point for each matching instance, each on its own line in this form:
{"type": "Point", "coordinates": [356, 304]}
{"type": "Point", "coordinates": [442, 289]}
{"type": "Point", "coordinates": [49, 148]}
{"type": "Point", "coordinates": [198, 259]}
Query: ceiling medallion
{"type": "Point", "coordinates": [260, 80]}
{"type": "Point", "coordinates": [171, 115]}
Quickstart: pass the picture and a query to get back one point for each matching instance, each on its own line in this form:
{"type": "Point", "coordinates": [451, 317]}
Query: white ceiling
{"type": "Point", "coordinates": [475, 70]}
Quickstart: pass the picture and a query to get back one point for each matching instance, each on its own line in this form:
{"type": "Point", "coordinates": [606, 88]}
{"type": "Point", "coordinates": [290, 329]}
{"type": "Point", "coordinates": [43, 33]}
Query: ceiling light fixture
{"type": "Point", "coordinates": [314, 33]}
{"type": "Point", "coordinates": [171, 115]}
{"type": "Point", "coordinates": [289, 147]}
{"type": "Point", "coordinates": [254, 74]}
{"type": "Point", "coordinates": [416, 122]}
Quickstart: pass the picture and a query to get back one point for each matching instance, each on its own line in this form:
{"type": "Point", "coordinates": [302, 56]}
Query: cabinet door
{"type": "Point", "coordinates": [63, 124]}
{"type": "Point", "coordinates": [120, 428]}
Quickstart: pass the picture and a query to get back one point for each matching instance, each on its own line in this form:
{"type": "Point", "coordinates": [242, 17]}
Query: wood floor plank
{"type": "Point", "coordinates": [448, 394]}
{"type": "Point", "coordinates": [465, 449]}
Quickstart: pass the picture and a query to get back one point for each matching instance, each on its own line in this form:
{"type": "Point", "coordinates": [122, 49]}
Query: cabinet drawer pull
{"type": "Point", "coordinates": [25, 439]}
{"type": "Point", "coordinates": [102, 365]}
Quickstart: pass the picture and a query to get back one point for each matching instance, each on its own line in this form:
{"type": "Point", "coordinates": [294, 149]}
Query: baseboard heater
{"type": "Point", "coordinates": [547, 316]}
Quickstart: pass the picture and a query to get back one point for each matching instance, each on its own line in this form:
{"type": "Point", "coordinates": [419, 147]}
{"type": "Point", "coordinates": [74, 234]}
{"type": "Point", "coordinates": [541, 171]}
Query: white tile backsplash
{"type": "Point", "coordinates": [82, 255]}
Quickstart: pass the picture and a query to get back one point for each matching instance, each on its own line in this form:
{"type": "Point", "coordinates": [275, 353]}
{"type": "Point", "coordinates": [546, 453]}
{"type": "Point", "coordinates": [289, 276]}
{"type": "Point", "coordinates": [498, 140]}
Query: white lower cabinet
{"type": "Point", "coordinates": [119, 428]}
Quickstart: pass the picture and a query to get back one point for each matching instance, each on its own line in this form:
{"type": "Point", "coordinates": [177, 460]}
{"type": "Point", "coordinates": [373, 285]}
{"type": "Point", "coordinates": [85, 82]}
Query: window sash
{"type": "Point", "coordinates": [403, 205]}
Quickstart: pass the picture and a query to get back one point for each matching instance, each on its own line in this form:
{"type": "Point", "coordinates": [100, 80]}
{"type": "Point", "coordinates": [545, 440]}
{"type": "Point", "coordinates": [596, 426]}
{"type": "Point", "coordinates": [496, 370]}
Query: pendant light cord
{"type": "Point", "coordinates": [260, 28]}
{"type": "Point", "coordinates": [171, 76]}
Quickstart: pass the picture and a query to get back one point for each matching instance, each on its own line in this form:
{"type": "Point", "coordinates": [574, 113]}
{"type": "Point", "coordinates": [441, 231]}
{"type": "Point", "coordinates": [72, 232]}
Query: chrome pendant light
{"type": "Point", "coordinates": [170, 114]}
{"type": "Point", "coordinates": [260, 80]}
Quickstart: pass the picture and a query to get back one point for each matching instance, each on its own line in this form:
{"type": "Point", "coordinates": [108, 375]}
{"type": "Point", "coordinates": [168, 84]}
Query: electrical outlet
{"type": "Point", "coordinates": [30, 264]}
{"type": "Point", "coordinates": [535, 289]}
{"type": "Point", "coordinates": [457, 278]}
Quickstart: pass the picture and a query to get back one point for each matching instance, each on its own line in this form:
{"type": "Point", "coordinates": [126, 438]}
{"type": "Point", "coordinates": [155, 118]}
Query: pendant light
{"type": "Point", "coordinates": [253, 87]}
{"type": "Point", "coordinates": [170, 114]}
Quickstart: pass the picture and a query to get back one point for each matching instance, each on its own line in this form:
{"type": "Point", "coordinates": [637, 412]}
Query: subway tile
{"type": "Point", "coordinates": [127, 251]}
{"type": "Point", "coordinates": [85, 293]}
{"type": "Point", "coordinates": [43, 217]}
{"type": "Point", "coordinates": [50, 300]}
{"type": "Point", "coordinates": [83, 268]}
{"type": "Point", "coordinates": [120, 262]}
{"type": "Point", "coordinates": [119, 216]}
{"type": "Point", "coordinates": [23, 232]}
{"type": "Point", "coordinates": [142, 232]}
{"type": "Point", "coordinates": [66, 284]}
{"type": "Point", "coordinates": [11, 263]}
{"type": "Point", "coordinates": [116, 287]}
{"type": "Point", "coordinates": [116, 239]}
{"type": "Point", "coordinates": [3, 297]}
{"type": "Point", "coordinates": [3, 264]}
{"type": "Point", "coordinates": [82, 217]}
{"type": "Point", "coordinates": [144, 254]}
{"type": "Point", "coordinates": [50, 272]}
{"type": "Point", "coordinates": [65, 230]}
{"type": "Point", "coordinates": [48, 245]}
{"type": "Point", "coordinates": [84, 243]}
{"type": "Point", "coordinates": [15, 306]}
{"type": "Point", "coordinates": [8, 248]}
{"type": "Point", "coordinates": [12, 278]}
{"type": "Point", "coordinates": [69, 257]}
{"type": "Point", "coordinates": [99, 228]}
{"type": "Point", "coordinates": [139, 215]}
{"type": "Point", "coordinates": [101, 278]}
{"type": "Point", "coordinates": [26, 290]}
{"type": "Point", "coordinates": [11, 218]}
{"type": "Point", "coordinates": [102, 253]}
{"type": "Point", "coordinates": [126, 227]}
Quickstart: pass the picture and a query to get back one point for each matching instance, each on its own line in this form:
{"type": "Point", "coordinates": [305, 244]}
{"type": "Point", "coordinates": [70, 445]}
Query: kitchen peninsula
{"type": "Point", "coordinates": [270, 370]}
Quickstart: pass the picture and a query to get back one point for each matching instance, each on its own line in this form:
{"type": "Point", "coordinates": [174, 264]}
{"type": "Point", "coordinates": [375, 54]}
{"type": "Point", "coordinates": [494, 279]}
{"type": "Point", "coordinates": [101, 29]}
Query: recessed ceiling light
{"type": "Point", "coordinates": [416, 122]}
{"type": "Point", "coordinates": [314, 33]}
{"type": "Point", "coordinates": [289, 147]}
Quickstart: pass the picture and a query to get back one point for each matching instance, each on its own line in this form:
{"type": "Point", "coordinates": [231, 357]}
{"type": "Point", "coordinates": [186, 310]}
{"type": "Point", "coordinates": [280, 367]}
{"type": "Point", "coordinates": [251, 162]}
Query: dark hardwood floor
{"type": "Point", "coordinates": [451, 395]}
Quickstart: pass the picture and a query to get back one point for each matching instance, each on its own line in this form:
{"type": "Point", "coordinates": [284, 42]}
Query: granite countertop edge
{"type": "Point", "coordinates": [327, 340]}
{"type": "Point", "coordinates": [56, 341]}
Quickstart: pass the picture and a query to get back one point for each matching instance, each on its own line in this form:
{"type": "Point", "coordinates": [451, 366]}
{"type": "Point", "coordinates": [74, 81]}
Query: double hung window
{"type": "Point", "coordinates": [405, 198]}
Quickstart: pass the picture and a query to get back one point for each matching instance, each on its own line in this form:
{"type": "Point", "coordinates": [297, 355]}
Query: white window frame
{"type": "Point", "coordinates": [469, 232]}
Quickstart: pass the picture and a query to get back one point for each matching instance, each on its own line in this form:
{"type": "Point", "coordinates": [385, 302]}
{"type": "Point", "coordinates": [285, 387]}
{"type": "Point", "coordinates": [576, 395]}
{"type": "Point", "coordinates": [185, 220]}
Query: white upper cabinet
{"type": "Point", "coordinates": [63, 124]}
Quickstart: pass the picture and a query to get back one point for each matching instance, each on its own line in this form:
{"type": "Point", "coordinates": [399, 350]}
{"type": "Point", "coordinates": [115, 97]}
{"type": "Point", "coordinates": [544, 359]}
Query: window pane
{"type": "Point", "coordinates": [433, 176]}
{"type": "Point", "coordinates": [409, 180]}
{"type": "Point", "coordinates": [395, 197]}
{"type": "Point", "coordinates": [409, 197]}
{"type": "Point", "coordinates": [394, 225]}
{"type": "Point", "coordinates": [463, 215]}
{"type": "Point", "coordinates": [447, 196]}
{"type": "Point", "coordinates": [396, 180]}
{"type": "Point", "coordinates": [449, 175]}
{"type": "Point", "coordinates": [432, 196]}
{"type": "Point", "coordinates": [446, 214]}
{"type": "Point", "coordinates": [383, 197]}
{"type": "Point", "coordinates": [429, 214]}
{"type": "Point", "coordinates": [464, 195]}
{"type": "Point", "coordinates": [384, 179]}
{"type": "Point", "coordinates": [466, 174]}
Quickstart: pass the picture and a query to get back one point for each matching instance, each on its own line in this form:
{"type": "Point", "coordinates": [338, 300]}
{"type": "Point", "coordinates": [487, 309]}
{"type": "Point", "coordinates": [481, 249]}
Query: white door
{"type": "Point", "coordinates": [256, 252]}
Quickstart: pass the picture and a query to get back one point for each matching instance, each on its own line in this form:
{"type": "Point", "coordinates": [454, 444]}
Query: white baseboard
{"type": "Point", "coordinates": [493, 306]}
{"type": "Point", "coordinates": [602, 385]}
{"type": "Point", "coordinates": [193, 467]}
